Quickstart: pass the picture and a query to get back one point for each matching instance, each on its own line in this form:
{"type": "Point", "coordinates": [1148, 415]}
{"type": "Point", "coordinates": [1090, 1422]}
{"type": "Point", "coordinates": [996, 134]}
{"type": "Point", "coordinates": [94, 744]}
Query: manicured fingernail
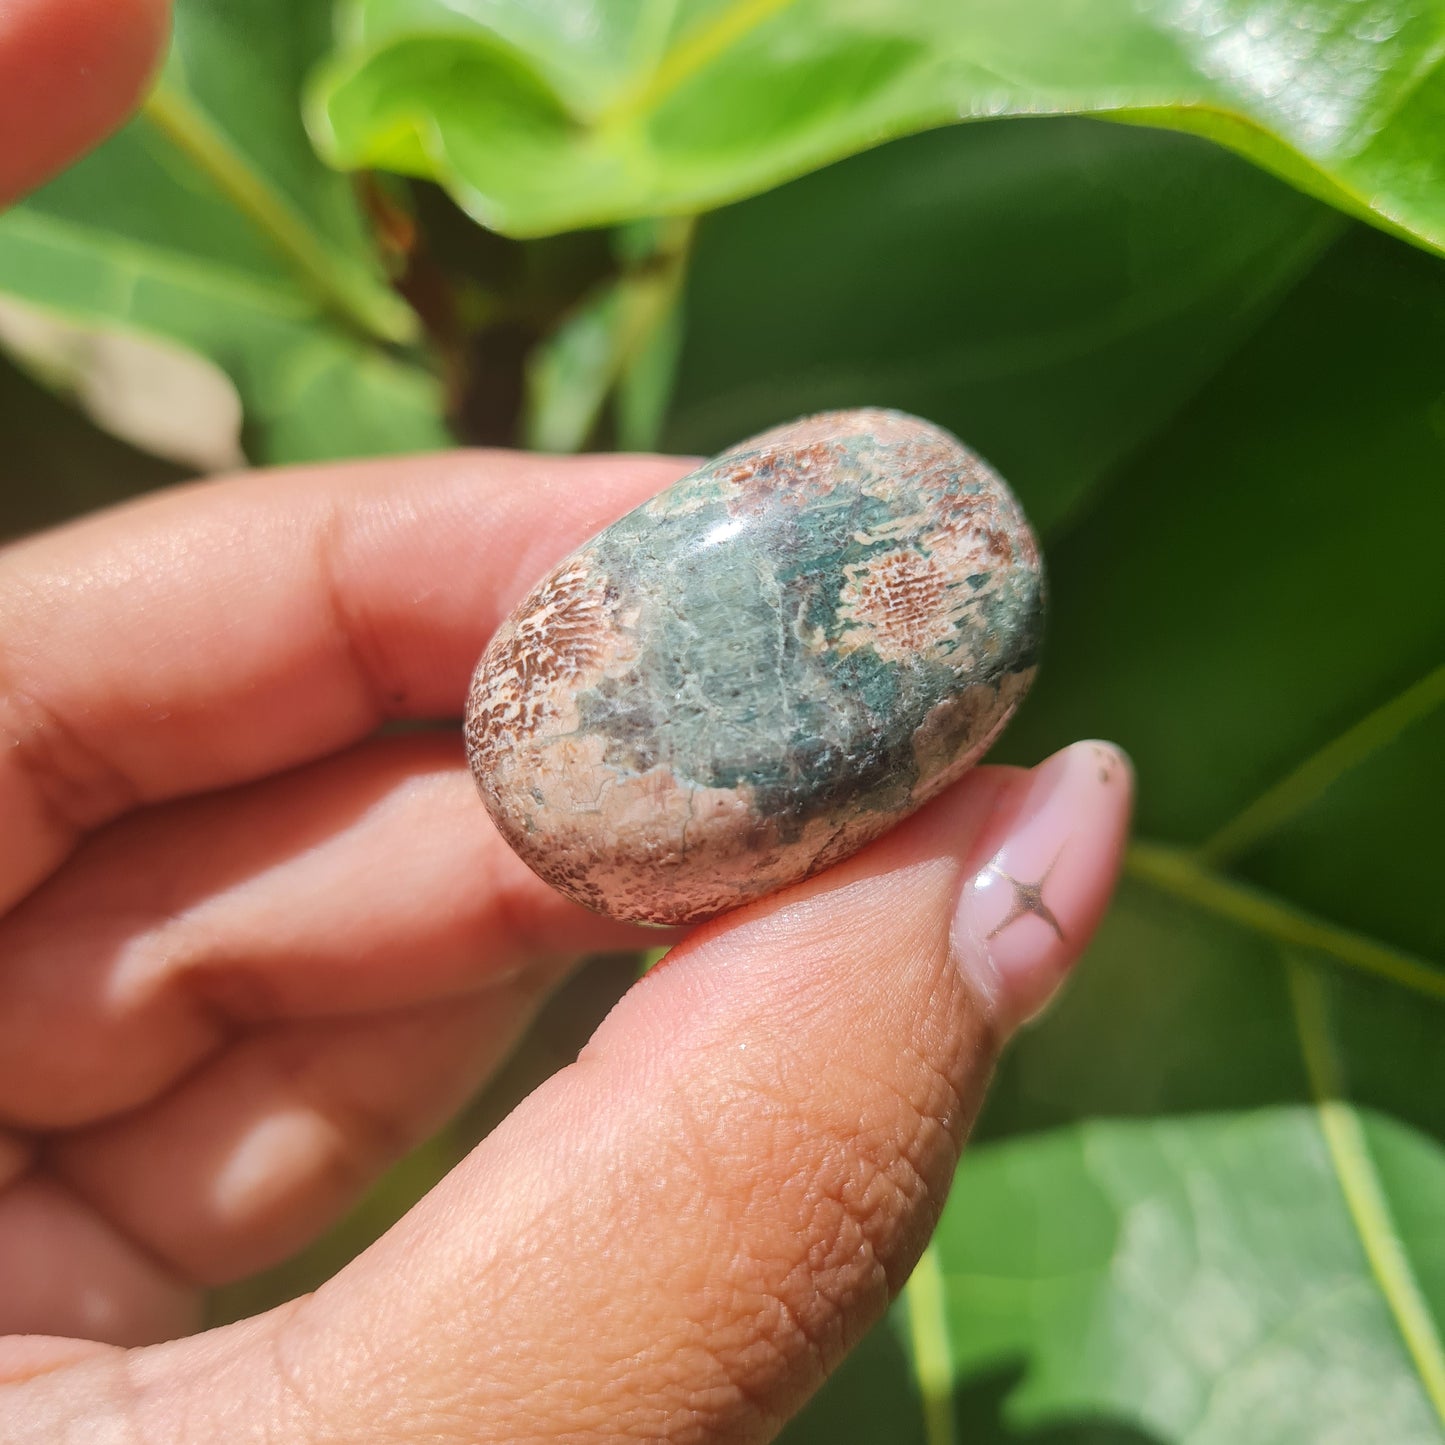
{"type": "Point", "coordinates": [1054, 845]}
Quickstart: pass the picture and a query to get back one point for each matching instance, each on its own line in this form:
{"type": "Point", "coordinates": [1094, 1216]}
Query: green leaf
{"type": "Point", "coordinates": [570, 375]}
{"type": "Point", "coordinates": [1289, 950]}
{"type": "Point", "coordinates": [1052, 291]}
{"type": "Point", "coordinates": [1261, 581]}
{"type": "Point", "coordinates": [210, 222]}
{"type": "Point", "coordinates": [644, 390]}
{"type": "Point", "coordinates": [545, 116]}
{"type": "Point", "coordinates": [1203, 1279]}
{"type": "Point", "coordinates": [1174, 1219]}
{"type": "Point", "coordinates": [1204, 1201]}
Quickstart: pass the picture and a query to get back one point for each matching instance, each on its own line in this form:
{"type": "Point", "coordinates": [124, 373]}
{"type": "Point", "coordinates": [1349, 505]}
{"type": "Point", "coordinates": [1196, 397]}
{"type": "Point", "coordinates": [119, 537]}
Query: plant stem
{"type": "Point", "coordinates": [344, 286]}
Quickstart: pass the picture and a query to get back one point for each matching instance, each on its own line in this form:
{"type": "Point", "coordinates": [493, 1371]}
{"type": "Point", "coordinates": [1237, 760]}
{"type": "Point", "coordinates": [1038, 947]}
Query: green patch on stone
{"type": "Point", "coordinates": [730, 688]}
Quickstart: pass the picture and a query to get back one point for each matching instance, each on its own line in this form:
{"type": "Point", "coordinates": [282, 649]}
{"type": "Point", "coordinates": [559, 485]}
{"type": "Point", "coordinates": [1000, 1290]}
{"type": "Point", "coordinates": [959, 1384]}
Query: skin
{"type": "Point", "coordinates": [250, 952]}
{"type": "Point", "coordinates": [70, 72]}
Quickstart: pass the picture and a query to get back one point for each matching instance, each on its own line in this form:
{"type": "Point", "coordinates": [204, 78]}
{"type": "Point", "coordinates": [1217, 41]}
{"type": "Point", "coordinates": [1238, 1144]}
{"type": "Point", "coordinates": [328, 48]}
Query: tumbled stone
{"type": "Point", "coordinates": [760, 670]}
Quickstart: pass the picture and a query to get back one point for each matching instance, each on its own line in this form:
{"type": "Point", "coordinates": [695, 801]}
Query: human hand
{"type": "Point", "coordinates": [251, 952]}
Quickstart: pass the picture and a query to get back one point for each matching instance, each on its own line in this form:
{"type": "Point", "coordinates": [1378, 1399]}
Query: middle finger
{"type": "Point", "coordinates": [369, 882]}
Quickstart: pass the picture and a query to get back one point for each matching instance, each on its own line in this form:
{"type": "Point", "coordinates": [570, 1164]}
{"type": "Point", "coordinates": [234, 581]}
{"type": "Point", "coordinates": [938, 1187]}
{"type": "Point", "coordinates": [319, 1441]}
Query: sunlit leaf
{"type": "Point", "coordinates": [209, 222]}
{"type": "Point", "coordinates": [544, 116]}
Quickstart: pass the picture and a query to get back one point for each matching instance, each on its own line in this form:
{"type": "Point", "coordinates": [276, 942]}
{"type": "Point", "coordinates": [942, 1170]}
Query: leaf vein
{"type": "Point", "coordinates": [1278, 804]}
{"type": "Point", "coordinates": [339, 282]}
{"type": "Point", "coordinates": [1359, 1182]}
{"type": "Point", "coordinates": [925, 1307]}
{"type": "Point", "coordinates": [691, 54]}
{"type": "Point", "coordinates": [144, 259]}
{"type": "Point", "coordinates": [1176, 872]}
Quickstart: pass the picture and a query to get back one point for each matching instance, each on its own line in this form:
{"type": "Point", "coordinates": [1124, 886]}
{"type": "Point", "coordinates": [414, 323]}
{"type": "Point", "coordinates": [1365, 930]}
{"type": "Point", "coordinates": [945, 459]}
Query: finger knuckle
{"type": "Point", "coordinates": [75, 786]}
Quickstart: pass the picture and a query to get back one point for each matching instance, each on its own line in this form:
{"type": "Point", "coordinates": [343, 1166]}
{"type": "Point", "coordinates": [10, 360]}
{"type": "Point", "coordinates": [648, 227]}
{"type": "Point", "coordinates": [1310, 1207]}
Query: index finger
{"type": "Point", "coordinates": [70, 72]}
{"type": "Point", "coordinates": [213, 634]}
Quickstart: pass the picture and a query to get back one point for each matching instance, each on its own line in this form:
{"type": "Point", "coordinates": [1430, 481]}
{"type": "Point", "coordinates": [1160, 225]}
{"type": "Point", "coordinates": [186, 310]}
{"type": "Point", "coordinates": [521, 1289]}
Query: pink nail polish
{"type": "Point", "coordinates": [1055, 845]}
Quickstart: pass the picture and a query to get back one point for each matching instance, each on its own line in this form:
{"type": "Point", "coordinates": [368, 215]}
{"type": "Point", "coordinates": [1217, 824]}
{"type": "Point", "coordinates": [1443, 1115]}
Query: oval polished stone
{"type": "Point", "coordinates": [760, 670]}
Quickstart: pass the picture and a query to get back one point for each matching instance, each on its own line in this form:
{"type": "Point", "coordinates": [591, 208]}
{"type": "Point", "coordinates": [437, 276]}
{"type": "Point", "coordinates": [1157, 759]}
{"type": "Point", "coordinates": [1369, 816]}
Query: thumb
{"type": "Point", "coordinates": [679, 1236]}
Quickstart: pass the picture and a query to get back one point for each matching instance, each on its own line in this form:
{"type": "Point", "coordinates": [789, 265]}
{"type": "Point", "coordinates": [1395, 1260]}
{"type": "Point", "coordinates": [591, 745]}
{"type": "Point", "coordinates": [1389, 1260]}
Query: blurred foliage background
{"type": "Point", "coordinates": [1207, 1201]}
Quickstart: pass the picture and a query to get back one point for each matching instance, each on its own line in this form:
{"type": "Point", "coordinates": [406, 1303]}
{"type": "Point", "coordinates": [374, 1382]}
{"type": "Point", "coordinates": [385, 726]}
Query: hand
{"type": "Point", "coordinates": [250, 952]}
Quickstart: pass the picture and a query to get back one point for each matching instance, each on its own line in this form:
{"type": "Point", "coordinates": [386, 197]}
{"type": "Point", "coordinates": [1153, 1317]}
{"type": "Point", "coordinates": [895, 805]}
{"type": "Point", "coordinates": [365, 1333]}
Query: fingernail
{"type": "Point", "coordinates": [1053, 846]}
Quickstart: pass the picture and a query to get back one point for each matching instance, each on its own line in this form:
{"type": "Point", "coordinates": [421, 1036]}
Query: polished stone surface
{"type": "Point", "coordinates": [760, 670]}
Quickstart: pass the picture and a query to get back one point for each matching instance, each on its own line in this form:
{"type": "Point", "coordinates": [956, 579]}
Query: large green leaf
{"type": "Point", "coordinates": [558, 113]}
{"type": "Point", "coordinates": [1206, 1199]}
{"type": "Point", "coordinates": [210, 222]}
{"type": "Point", "coordinates": [1204, 1279]}
{"type": "Point", "coordinates": [1052, 291]}
{"type": "Point", "coordinates": [1271, 652]}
